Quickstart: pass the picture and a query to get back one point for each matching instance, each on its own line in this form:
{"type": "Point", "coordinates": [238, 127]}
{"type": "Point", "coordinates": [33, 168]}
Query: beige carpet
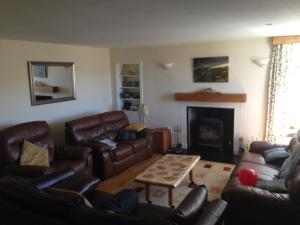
{"type": "Point", "coordinates": [213, 175]}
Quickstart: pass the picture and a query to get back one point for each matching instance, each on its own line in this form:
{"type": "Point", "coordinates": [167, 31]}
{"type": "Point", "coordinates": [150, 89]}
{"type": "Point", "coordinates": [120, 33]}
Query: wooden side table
{"type": "Point", "coordinates": [161, 140]}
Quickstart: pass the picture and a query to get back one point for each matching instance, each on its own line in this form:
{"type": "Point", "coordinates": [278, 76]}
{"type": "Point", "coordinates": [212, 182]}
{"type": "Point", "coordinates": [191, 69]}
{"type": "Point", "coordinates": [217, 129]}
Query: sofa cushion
{"type": "Point", "coordinates": [137, 127]}
{"type": "Point", "coordinates": [34, 155]}
{"type": "Point", "coordinates": [275, 185]}
{"type": "Point", "coordinates": [138, 145]}
{"type": "Point", "coordinates": [264, 172]}
{"type": "Point", "coordinates": [252, 157]}
{"type": "Point", "coordinates": [274, 155]}
{"type": "Point", "coordinates": [113, 121]}
{"type": "Point", "coordinates": [122, 151]}
{"type": "Point", "coordinates": [85, 129]}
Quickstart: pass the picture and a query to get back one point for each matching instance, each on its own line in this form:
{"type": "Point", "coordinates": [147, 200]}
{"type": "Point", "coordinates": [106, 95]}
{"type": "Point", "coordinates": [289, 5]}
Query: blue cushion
{"type": "Point", "coordinates": [276, 185]}
{"type": "Point", "coordinates": [275, 155]}
{"type": "Point", "coordinates": [125, 135]}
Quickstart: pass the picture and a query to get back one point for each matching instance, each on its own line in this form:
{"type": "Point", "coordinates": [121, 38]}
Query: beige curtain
{"type": "Point", "coordinates": [277, 113]}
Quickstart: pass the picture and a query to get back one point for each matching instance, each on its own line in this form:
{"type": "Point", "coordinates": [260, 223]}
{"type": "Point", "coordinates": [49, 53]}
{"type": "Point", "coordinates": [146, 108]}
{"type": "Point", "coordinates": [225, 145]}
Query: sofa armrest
{"type": "Point", "coordinates": [261, 146]}
{"type": "Point", "coordinates": [25, 171]}
{"type": "Point", "coordinates": [193, 204]}
{"type": "Point", "coordinates": [52, 178]}
{"type": "Point", "coordinates": [262, 203]}
{"type": "Point", "coordinates": [212, 214]}
{"type": "Point", "coordinates": [72, 153]}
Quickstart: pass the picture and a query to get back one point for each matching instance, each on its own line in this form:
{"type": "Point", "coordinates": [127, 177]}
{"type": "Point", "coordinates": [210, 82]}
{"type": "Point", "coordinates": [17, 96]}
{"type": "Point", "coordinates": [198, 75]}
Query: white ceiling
{"type": "Point", "coordinates": [124, 23]}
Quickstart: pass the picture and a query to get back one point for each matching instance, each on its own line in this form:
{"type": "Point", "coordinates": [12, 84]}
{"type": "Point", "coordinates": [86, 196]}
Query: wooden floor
{"type": "Point", "coordinates": [118, 182]}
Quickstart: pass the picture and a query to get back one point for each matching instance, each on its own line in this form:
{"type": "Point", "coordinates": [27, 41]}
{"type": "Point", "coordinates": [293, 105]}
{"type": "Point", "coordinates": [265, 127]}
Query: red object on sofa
{"type": "Point", "coordinates": [248, 177]}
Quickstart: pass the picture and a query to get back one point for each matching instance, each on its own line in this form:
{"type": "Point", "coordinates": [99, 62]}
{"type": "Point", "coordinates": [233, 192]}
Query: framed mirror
{"type": "Point", "coordinates": [51, 82]}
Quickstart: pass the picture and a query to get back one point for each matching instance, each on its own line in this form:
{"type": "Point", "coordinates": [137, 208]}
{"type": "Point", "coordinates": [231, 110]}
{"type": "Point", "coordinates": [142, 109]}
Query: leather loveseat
{"type": "Point", "coordinates": [108, 162]}
{"type": "Point", "coordinates": [256, 206]}
{"type": "Point", "coordinates": [33, 206]}
{"type": "Point", "coordinates": [38, 132]}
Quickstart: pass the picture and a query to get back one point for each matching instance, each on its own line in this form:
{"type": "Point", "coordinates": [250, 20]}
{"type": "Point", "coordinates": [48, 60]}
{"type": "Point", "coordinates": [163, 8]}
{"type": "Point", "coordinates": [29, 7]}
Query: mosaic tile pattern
{"type": "Point", "coordinates": [213, 175]}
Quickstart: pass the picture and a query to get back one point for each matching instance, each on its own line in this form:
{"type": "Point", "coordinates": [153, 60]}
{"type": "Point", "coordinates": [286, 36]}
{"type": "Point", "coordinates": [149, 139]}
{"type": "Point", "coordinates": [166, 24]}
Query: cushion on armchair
{"type": "Point", "coordinates": [275, 154]}
{"type": "Point", "coordinates": [34, 155]}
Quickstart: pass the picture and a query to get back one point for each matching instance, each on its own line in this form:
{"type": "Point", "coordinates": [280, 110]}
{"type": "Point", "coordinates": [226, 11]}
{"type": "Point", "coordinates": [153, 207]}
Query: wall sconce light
{"type": "Point", "coordinates": [261, 62]}
{"type": "Point", "coordinates": [167, 65]}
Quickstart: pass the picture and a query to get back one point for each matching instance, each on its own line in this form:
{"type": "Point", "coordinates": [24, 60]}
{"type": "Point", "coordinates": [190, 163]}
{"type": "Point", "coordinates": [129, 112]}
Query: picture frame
{"type": "Point", "coordinates": [211, 69]}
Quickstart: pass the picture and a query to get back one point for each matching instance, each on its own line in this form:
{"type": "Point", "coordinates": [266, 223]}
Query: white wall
{"type": "Point", "coordinates": [244, 77]}
{"type": "Point", "coordinates": [92, 77]}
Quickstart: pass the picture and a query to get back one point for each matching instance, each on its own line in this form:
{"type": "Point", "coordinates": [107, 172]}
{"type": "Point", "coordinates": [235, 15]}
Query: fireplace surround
{"type": "Point", "coordinates": [210, 133]}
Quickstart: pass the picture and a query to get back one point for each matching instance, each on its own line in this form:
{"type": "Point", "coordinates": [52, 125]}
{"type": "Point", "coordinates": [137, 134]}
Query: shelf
{"type": "Point", "coordinates": [129, 75]}
{"type": "Point", "coordinates": [130, 99]}
{"type": "Point", "coordinates": [211, 97]}
{"type": "Point", "coordinates": [130, 87]}
{"type": "Point", "coordinates": [130, 111]}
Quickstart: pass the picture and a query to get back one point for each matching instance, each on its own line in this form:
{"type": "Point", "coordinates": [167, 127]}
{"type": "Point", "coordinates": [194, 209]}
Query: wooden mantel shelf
{"type": "Point", "coordinates": [211, 97]}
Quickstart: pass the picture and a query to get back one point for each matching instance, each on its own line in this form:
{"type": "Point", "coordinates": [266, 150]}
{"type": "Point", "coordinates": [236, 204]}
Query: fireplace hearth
{"type": "Point", "coordinates": [210, 133]}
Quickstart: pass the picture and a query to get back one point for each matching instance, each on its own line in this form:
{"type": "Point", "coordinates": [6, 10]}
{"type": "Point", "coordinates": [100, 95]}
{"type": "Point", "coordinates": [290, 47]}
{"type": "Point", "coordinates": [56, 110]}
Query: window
{"type": "Point", "coordinates": [293, 98]}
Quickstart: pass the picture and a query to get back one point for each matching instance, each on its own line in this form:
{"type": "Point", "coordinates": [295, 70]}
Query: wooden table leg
{"type": "Point", "coordinates": [171, 197]}
{"type": "Point", "coordinates": [147, 193]}
{"type": "Point", "coordinates": [192, 183]}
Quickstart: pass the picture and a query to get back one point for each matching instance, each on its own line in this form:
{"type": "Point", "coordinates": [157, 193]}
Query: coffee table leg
{"type": "Point", "coordinates": [147, 193]}
{"type": "Point", "coordinates": [191, 178]}
{"type": "Point", "coordinates": [171, 197]}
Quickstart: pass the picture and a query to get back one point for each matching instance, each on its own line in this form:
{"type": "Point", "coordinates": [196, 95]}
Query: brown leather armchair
{"type": "Point", "coordinates": [255, 206]}
{"type": "Point", "coordinates": [38, 207]}
{"type": "Point", "coordinates": [108, 162]}
{"type": "Point", "coordinates": [38, 132]}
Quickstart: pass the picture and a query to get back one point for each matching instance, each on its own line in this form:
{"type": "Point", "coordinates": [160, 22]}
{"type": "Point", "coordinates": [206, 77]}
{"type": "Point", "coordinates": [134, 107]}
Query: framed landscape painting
{"type": "Point", "coordinates": [211, 69]}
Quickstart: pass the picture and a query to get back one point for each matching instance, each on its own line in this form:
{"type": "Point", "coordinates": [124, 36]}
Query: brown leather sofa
{"type": "Point", "coordinates": [255, 206]}
{"type": "Point", "coordinates": [33, 206]}
{"type": "Point", "coordinates": [38, 132]}
{"type": "Point", "coordinates": [108, 162]}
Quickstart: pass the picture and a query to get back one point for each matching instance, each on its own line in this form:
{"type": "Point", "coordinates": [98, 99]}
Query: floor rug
{"type": "Point", "coordinates": [213, 175]}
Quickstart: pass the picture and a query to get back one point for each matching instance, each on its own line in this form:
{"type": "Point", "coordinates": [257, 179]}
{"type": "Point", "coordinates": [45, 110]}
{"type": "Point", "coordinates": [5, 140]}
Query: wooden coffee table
{"type": "Point", "coordinates": [169, 171]}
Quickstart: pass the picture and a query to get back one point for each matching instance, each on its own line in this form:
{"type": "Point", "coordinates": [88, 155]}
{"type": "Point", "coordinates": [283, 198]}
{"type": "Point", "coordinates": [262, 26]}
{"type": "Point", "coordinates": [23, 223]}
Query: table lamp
{"type": "Point", "coordinates": [143, 112]}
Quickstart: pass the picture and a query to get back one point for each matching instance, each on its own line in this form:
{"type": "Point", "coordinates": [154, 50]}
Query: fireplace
{"type": "Point", "coordinates": [210, 133]}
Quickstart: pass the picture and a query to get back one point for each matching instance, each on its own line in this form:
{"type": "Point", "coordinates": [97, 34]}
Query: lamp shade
{"type": "Point", "coordinates": [144, 110]}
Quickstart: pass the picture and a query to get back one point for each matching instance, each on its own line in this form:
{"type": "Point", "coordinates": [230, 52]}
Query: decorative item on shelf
{"type": "Point", "coordinates": [177, 132]}
{"type": "Point", "coordinates": [134, 107]}
{"type": "Point", "coordinates": [144, 112]}
{"type": "Point", "coordinates": [129, 69]}
{"type": "Point", "coordinates": [127, 105]}
{"type": "Point", "coordinates": [167, 65]}
{"type": "Point", "coordinates": [261, 61]}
